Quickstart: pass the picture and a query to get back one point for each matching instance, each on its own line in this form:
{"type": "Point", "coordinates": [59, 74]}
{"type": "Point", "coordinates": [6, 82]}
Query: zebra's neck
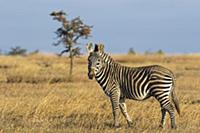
{"type": "Point", "coordinates": [102, 76]}
{"type": "Point", "coordinates": [109, 64]}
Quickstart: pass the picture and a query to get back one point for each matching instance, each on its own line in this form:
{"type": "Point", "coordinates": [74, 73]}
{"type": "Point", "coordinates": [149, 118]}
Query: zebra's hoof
{"type": "Point", "coordinates": [116, 126]}
{"type": "Point", "coordinates": [161, 126]}
{"type": "Point", "coordinates": [130, 124]}
{"type": "Point", "coordinates": [174, 127]}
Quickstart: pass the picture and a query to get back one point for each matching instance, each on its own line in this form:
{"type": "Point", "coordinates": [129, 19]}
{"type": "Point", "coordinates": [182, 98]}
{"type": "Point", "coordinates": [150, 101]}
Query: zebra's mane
{"type": "Point", "coordinates": [107, 58]}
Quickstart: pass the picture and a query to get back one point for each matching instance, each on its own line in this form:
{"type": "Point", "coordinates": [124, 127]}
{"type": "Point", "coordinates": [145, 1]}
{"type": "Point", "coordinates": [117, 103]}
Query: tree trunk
{"type": "Point", "coordinates": [71, 69]}
{"type": "Point", "coordinates": [71, 64]}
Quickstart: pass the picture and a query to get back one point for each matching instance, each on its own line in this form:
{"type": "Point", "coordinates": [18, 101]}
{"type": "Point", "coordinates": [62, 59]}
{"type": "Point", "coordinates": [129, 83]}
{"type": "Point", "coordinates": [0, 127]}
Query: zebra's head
{"type": "Point", "coordinates": [95, 64]}
{"type": "Point", "coordinates": [95, 61]}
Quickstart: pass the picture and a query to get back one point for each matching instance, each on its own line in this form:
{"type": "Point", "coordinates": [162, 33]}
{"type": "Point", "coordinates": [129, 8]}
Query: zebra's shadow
{"type": "Point", "coordinates": [108, 124]}
{"type": "Point", "coordinates": [121, 125]}
{"type": "Point", "coordinates": [135, 125]}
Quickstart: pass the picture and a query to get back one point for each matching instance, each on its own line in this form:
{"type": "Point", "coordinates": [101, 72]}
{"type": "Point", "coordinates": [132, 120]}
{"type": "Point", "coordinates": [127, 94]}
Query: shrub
{"type": "Point", "coordinates": [17, 51]}
{"type": "Point", "coordinates": [131, 51]}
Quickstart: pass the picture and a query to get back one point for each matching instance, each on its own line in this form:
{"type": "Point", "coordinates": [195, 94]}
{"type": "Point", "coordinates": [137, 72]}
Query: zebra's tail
{"type": "Point", "coordinates": [175, 100]}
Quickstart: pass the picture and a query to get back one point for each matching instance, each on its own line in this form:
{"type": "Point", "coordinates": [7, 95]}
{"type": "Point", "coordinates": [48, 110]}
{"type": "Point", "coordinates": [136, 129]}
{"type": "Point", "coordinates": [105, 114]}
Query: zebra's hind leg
{"type": "Point", "coordinates": [170, 110]}
{"type": "Point", "coordinates": [123, 108]}
{"type": "Point", "coordinates": [163, 113]}
{"type": "Point", "coordinates": [166, 106]}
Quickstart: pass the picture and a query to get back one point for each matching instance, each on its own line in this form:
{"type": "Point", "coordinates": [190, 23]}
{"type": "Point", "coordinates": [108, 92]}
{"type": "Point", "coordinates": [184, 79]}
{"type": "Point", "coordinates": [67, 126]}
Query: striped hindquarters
{"type": "Point", "coordinates": [161, 84]}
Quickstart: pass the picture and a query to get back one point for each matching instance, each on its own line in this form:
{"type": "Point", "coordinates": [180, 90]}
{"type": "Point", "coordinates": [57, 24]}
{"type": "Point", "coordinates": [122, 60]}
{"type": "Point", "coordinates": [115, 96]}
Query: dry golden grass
{"type": "Point", "coordinates": [35, 96]}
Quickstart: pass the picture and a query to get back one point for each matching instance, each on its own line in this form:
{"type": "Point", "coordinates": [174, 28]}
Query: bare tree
{"type": "Point", "coordinates": [69, 34]}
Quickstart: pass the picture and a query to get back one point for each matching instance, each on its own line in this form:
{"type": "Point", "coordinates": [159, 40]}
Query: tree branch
{"type": "Point", "coordinates": [64, 51]}
{"type": "Point", "coordinates": [76, 38]}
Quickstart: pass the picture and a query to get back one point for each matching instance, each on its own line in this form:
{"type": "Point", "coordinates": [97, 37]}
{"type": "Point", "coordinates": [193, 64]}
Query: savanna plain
{"type": "Point", "coordinates": [36, 96]}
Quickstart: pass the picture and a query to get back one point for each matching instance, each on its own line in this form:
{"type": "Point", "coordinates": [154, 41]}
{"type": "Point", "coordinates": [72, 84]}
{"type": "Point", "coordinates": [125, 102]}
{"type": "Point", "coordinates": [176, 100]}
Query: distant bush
{"type": "Point", "coordinates": [147, 52]}
{"type": "Point", "coordinates": [131, 51]}
{"type": "Point", "coordinates": [34, 52]}
{"type": "Point", "coordinates": [159, 52]}
{"type": "Point", "coordinates": [17, 51]}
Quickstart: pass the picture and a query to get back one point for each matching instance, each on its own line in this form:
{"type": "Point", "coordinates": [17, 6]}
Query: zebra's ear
{"type": "Point", "coordinates": [90, 48]}
{"type": "Point", "coordinates": [99, 48]}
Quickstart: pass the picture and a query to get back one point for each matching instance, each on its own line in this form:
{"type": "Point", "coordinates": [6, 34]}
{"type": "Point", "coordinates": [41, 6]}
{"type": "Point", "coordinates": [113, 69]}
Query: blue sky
{"type": "Point", "coordinates": [170, 25]}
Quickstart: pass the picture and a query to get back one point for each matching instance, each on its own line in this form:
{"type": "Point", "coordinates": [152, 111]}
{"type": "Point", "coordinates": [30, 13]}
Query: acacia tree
{"type": "Point", "coordinates": [69, 34]}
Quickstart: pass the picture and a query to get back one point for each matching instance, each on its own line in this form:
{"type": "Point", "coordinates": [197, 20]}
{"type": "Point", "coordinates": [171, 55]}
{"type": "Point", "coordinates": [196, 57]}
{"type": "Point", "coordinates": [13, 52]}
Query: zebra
{"type": "Point", "coordinates": [137, 83]}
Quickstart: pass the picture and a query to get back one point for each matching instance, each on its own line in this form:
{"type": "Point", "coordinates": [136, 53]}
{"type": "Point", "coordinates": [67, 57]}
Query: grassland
{"type": "Point", "coordinates": [35, 96]}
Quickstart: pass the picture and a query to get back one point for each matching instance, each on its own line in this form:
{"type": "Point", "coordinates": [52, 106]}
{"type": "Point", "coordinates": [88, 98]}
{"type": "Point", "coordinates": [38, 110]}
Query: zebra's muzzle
{"type": "Point", "coordinates": [90, 75]}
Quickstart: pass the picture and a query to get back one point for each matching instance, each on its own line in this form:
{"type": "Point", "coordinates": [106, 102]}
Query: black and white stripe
{"type": "Point", "coordinates": [137, 83]}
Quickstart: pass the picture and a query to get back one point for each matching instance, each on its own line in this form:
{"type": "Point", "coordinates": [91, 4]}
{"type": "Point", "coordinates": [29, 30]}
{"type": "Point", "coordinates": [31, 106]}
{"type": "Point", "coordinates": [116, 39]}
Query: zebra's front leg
{"type": "Point", "coordinates": [115, 107]}
{"type": "Point", "coordinates": [123, 108]}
